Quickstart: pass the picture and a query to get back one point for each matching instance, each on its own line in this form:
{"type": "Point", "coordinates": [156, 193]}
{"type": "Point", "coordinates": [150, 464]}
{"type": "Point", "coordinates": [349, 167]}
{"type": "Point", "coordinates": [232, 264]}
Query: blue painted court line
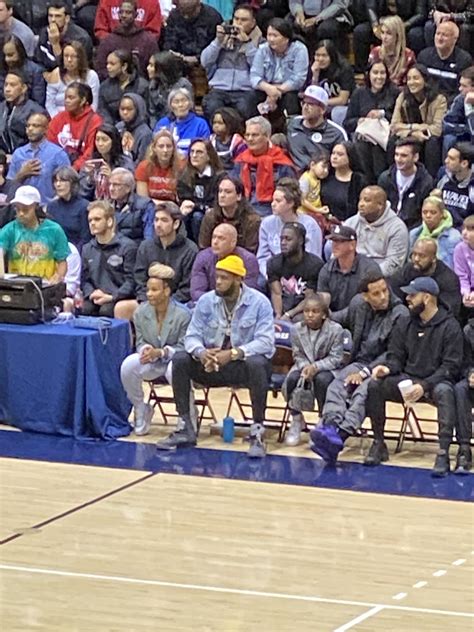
{"type": "Point", "coordinates": [401, 481]}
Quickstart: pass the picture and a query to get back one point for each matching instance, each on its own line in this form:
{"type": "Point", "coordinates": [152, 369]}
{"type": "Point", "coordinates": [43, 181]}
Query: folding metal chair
{"type": "Point", "coordinates": [202, 402]}
{"type": "Point", "coordinates": [411, 427]}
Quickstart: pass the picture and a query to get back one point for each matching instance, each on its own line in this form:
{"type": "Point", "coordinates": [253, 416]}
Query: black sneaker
{"type": "Point", "coordinates": [184, 437]}
{"type": "Point", "coordinates": [441, 465]}
{"type": "Point", "coordinates": [463, 461]}
{"type": "Point", "coordinates": [378, 453]}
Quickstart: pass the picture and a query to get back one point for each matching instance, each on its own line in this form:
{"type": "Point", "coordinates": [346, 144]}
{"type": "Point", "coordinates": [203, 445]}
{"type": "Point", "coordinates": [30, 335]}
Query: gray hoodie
{"type": "Point", "coordinates": [385, 240]}
{"type": "Point", "coordinates": [138, 127]}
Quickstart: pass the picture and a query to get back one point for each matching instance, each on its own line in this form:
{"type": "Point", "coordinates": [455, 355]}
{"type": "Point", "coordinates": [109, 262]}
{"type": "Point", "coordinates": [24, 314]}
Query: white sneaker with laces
{"type": "Point", "coordinates": [143, 420]}
{"type": "Point", "coordinates": [293, 436]}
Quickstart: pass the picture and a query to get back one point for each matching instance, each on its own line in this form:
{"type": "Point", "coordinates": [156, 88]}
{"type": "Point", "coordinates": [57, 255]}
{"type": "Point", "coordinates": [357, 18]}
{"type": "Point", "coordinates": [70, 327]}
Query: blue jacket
{"type": "Point", "coordinates": [252, 328]}
{"type": "Point", "coordinates": [447, 241]}
{"type": "Point", "coordinates": [457, 123]}
{"type": "Point", "coordinates": [294, 66]}
{"type": "Point", "coordinates": [135, 218]}
{"type": "Point", "coordinates": [228, 69]}
{"type": "Point", "coordinates": [72, 217]}
{"type": "Point", "coordinates": [184, 130]}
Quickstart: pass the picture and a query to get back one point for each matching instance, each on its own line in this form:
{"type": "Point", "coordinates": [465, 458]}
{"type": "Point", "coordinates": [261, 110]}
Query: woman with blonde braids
{"type": "Point", "coordinates": [393, 50]}
{"type": "Point", "coordinates": [438, 225]}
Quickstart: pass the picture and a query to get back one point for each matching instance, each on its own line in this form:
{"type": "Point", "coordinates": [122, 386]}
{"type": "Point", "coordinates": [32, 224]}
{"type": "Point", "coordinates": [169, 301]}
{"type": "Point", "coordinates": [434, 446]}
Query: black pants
{"type": "Point", "coordinates": [372, 159]}
{"type": "Point", "coordinates": [386, 390]}
{"type": "Point", "coordinates": [321, 382]}
{"type": "Point", "coordinates": [245, 102]}
{"type": "Point", "coordinates": [328, 29]}
{"type": "Point", "coordinates": [91, 309]}
{"type": "Point", "coordinates": [464, 403]}
{"type": "Point", "coordinates": [252, 373]}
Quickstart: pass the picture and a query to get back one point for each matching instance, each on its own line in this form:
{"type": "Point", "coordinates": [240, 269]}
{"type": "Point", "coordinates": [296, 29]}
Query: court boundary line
{"type": "Point", "coordinates": [77, 508]}
{"type": "Point", "coordinates": [235, 591]}
{"type": "Point", "coordinates": [362, 617]}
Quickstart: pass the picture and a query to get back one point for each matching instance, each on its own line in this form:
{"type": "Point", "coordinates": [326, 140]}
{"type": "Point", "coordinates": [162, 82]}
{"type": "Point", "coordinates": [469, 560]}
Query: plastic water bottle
{"type": "Point", "coordinates": [78, 301]}
{"type": "Point", "coordinates": [228, 429]}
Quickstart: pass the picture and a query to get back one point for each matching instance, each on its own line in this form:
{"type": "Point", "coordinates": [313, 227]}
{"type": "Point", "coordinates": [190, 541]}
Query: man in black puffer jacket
{"type": "Point", "coordinates": [425, 348]}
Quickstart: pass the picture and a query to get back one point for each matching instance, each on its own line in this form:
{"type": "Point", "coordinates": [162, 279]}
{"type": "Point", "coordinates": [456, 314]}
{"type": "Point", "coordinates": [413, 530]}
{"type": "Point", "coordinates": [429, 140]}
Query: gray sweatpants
{"type": "Point", "coordinates": [345, 409]}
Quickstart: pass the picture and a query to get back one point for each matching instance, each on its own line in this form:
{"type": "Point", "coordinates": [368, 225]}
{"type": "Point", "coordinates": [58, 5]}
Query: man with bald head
{"type": "Point", "coordinates": [445, 61]}
{"type": "Point", "coordinates": [423, 262]}
{"type": "Point", "coordinates": [223, 243]}
{"type": "Point", "coordinates": [381, 235]}
{"type": "Point", "coordinates": [34, 164]}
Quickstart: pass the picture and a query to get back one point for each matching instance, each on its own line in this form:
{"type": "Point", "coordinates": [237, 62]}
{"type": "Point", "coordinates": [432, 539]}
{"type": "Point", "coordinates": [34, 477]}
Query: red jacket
{"type": "Point", "coordinates": [66, 131]}
{"type": "Point", "coordinates": [107, 19]}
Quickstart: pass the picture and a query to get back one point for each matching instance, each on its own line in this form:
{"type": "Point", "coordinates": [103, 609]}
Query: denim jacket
{"type": "Point", "coordinates": [252, 328]}
{"type": "Point", "coordinates": [294, 66]}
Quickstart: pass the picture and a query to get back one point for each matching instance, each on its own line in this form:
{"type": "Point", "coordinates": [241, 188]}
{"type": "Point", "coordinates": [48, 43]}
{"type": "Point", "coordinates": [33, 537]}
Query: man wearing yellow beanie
{"type": "Point", "coordinates": [229, 342]}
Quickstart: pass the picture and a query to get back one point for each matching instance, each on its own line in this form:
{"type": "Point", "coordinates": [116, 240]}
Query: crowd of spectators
{"type": "Point", "coordinates": [328, 144]}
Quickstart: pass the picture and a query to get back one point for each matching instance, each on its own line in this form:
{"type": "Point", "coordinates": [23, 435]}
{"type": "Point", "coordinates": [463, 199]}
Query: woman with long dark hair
{"type": "Point", "coordinates": [73, 66]}
{"type": "Point", "coordinates": [197, 184]}
{"type": "Point", "coordinates": [419, 112]}
{"type": "Point", "coordinates": [341, 189]}
{"type": "Point", "coordinates": [375, 100]}
{"type": "Point", "coordinates": [122, 77]}
{"type": "Point", "coordinates": [107, 155]}
{"type": "Point", "coordinates": [226, 135]}
{"type": "Point", "coordinates": [280, 68]}
{"type": "Point", "coordinates": [13, 57]}
{"type": "Point", "coordinates": [333, 73]}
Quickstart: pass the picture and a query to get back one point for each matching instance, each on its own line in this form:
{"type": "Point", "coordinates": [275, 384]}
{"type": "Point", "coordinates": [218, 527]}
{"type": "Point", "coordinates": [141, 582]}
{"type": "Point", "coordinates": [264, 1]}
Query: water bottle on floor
{"type": "Point", "coordinates": [228, 429]}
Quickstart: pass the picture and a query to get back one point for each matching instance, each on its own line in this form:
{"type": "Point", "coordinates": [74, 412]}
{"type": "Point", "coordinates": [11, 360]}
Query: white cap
{"type": "Point", "coordinates": [27, 195]}
{"type": "Point", "coordinates": [315, 94]}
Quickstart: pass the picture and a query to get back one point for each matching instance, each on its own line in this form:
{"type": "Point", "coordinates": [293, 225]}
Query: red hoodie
{"type": "Point", "coordinates": [107, 19]}
{"type": "Point", "coordinates": [66, 131]}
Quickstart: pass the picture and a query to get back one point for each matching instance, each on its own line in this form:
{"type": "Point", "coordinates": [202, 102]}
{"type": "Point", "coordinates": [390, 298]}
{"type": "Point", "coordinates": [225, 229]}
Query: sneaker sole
{"type": "Point", "coordinates": [171, 448]}
{"type": "Point", "coordinates": [291, 443]}
{"type": "Point", "coordinates": [385, 457]}
{"type": "Point", "coordinates": [257, 454]}
{"type": "Point", "coordinates": [319, 444]}
{"type": "Point", "coordinates": [462, 471]}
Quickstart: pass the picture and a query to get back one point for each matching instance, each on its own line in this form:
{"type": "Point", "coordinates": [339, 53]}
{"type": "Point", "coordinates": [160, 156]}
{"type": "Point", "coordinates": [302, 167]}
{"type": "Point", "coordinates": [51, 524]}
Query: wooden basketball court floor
{"type": "Point", "coordinates": [117, 538]}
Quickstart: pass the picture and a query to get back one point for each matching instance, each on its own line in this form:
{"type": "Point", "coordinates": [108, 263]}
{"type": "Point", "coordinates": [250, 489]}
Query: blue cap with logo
{"type": "Point", "coordinates": [422, 284]}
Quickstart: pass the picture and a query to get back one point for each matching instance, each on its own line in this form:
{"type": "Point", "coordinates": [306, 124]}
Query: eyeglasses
{"type": "Point", "coordinates": [117, 184]}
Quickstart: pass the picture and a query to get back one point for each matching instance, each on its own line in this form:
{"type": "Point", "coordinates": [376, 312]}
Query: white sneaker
{"type": "Point", "coordinates": [293, 436]}
{"type": "Point", "coordinates": [143, 420]}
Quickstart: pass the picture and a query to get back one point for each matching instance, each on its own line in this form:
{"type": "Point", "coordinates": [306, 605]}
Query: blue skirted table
{"type": "Point", "coordinates": [61, 380]}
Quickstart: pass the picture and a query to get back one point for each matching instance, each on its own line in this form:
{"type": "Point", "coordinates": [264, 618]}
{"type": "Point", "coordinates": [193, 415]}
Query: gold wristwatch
{"type": "Point", "coordinates": [234, 354]}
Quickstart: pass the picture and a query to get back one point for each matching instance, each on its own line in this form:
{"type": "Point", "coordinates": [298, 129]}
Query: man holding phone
{"type": "Point", "coordinates": [227, 61]}
{"type": "Point", "coordinates": [35, 163]}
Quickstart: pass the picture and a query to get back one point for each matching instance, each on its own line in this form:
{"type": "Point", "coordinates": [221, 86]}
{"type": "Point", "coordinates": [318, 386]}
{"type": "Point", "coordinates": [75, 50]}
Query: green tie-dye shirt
{"type": "Point", "coordinates": [34, 252]}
